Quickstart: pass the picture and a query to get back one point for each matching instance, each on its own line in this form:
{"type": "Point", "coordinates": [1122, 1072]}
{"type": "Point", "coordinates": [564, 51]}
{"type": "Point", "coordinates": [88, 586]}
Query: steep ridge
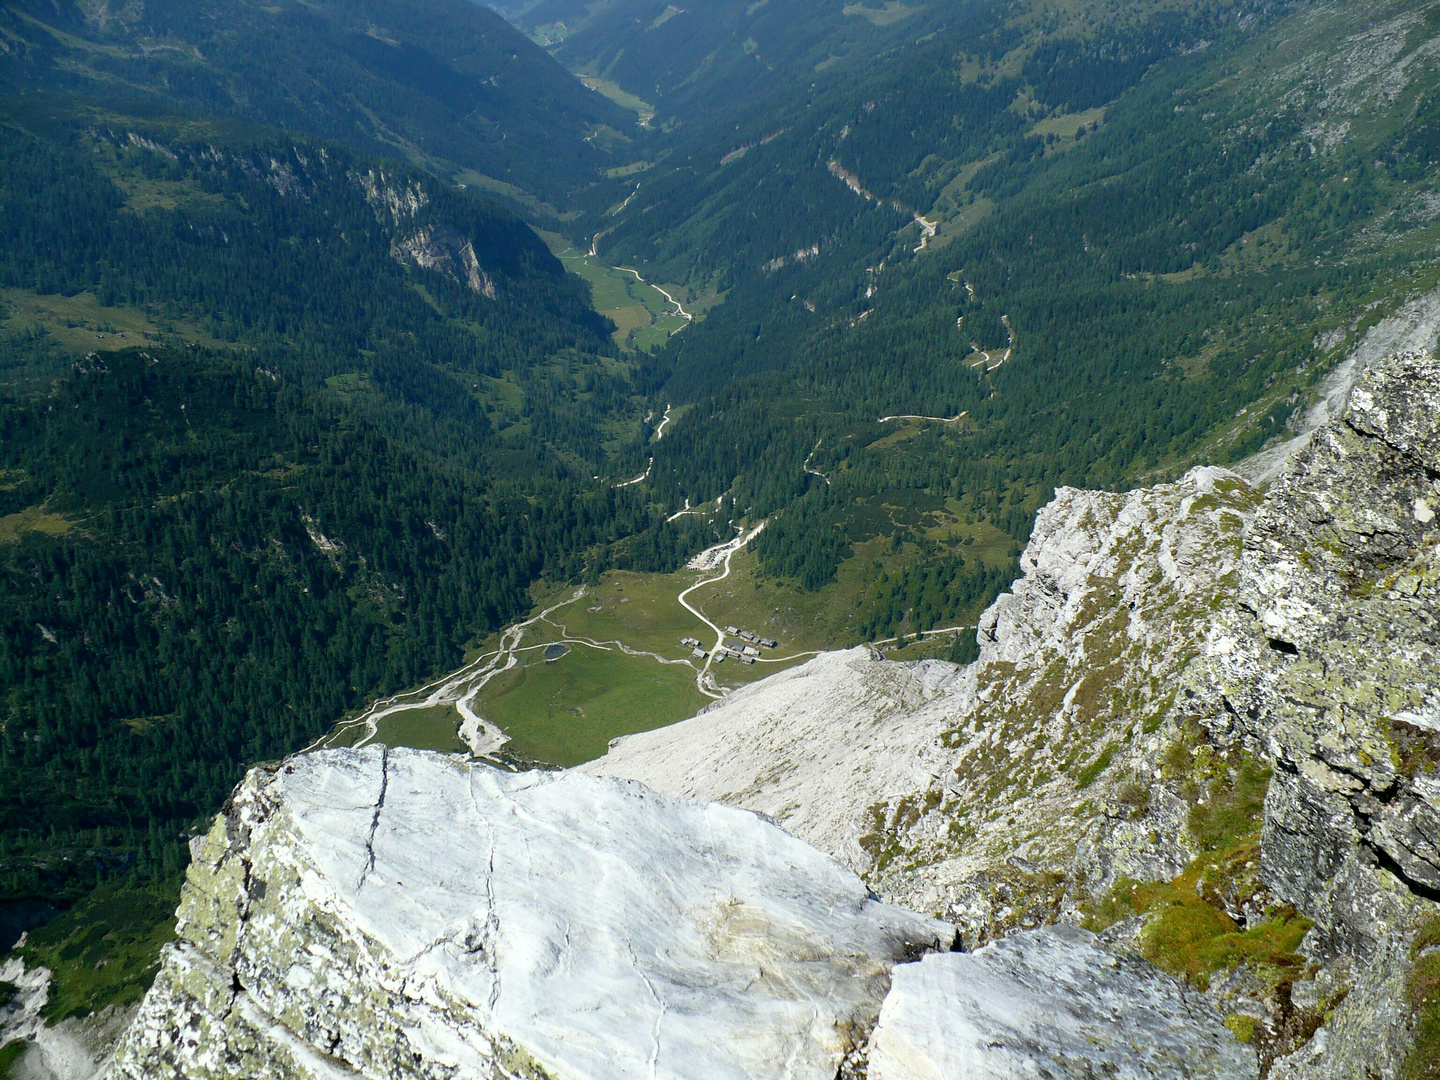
{"type": "Point", "coordinates": [403, 914]}
{"type": "Point", "coordinates": [1204, 721]}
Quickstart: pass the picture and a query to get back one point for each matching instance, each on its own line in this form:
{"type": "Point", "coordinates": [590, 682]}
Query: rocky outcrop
{"type": "Point", "coordinates": [436, 247]}
{"type": "Point", "coordinates": [442, 250]}
{"type": "Point", "coordinates": [400, 914]}
{"type": "Point", "coordinates": [1328, 665]}
{"type": "Point", "coordinates": [1206, 719]}
{"type": "Point", "coordinates": [1050, 1002]}
{"type": "Point", "coordinates": [990, 794]}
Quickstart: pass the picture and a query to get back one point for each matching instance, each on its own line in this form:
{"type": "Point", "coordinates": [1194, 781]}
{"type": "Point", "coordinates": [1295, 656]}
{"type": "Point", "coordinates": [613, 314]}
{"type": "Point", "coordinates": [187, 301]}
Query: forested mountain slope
{"type": "Point", "coordinates": [281, 427]}
{"type": "Point", "coordinates": [1143, 238]}
{"type": "Point", "coordinates": [443, 83]}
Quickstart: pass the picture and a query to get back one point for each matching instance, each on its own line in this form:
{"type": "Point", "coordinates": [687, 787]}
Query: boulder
{"type": "Point", "coordinates": [1049, 1003]}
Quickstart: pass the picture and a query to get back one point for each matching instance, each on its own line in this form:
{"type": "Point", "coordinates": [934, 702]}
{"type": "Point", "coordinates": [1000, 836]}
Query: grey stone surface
{"type": "Point", "coordinates": [1049, 1003]}
{"type": "Point", "coordinates": [1328, 666]}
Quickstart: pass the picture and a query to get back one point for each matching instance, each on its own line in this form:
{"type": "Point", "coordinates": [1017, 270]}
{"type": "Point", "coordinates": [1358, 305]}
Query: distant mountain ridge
{"type": "Point", "coordinates": [444, 83]}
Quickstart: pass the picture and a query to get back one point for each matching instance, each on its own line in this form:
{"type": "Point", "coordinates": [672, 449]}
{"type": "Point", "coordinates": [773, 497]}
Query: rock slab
{"type": "Point", "coordinates": [393, 913]}
{"type": "Point", "coordinates": [1049, 1003]}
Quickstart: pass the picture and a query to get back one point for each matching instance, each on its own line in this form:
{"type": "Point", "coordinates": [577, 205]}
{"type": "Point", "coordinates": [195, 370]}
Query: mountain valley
{"type": "Point", "coordinates": [1044, 388]}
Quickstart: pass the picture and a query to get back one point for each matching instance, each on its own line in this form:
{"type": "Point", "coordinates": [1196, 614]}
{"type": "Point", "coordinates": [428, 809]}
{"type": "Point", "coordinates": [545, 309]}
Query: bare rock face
{"type": "Point", "coordinates": [426, 245]}
{"type": "Point", "coordinates": [398, 914]}
{"type": "Point", "coordinates": [1054, 1003]}
{"type": "Point", "coordinates": [1329, 666]}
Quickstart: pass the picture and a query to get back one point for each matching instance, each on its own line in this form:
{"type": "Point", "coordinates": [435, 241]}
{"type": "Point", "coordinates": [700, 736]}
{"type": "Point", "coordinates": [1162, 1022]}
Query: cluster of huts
{"type": "Point", "coordinates": [746, 654]}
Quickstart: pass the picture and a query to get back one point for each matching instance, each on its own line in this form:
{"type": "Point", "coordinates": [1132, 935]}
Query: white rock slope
{"type": "Point", "coordinates": [813, 747]}
{"type": "Point", "coordinates": [398, 914]}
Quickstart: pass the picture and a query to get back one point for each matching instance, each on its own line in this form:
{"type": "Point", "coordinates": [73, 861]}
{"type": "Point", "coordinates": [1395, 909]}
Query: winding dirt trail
{"type": "Point", "coordinates": [642, 476]}
{"type": "Point", "coordinates": [938, 419]}
{"type": "Point", "coordinates": [620, 209]}
{"type": "Point", "coordinates": [923, 634]}
{"type": "Point", "coordinates": [705, 681]}
{"type": "Point", "coordinates": [457, 688]}
{"type": "Point", "coordinates": [679, 311]}
{"type": "Point", "coordinates": [985, 356]}
{"type": "Point", "coordinates": [810, 458]}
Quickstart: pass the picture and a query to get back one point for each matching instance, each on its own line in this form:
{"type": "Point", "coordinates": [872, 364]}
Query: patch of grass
{"type": "Point", "coordinates": [567, 711]}
{"type": "Point", "coordinates": [639, 609]}
{"type": "Point", "coordinates": [1190, 938]}
{"type": "Point", "coordinates": [81, 324]}
{"type": "Point", "coordinates": [32, 519]}
{"type": "Point", "coordinates": [643, 110]}
{"type": "Point", "coordinates": [10, 1055]}
{"type": "Point", "coordinates": [1235, 801]}
{"type": "Point", "coordinates": [621, 171]}
{"type": "Point", "coordinates": [1242, 1027]}
{"type": "Point", "coordinates": [1066, 125]}
{"type": "Point", "coordinates": [640, 312]}
{"type": "Point", "coordinates": [7, 993]}
{"type": "Point", "coordinates": [1188, 930]}
{"type": "Point", "coordinates": [435, 727]}
{"type": "Point", "coordinates": [1423, 988]}
{"type": "Point", "coordinates": [1091, 772]}
{"type": "Point", "coordinates": [106, 949]}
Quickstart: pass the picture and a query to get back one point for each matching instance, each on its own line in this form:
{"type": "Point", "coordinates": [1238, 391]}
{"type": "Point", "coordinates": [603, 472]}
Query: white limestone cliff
{"type": "Point", "coordinates": [392, 913]}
